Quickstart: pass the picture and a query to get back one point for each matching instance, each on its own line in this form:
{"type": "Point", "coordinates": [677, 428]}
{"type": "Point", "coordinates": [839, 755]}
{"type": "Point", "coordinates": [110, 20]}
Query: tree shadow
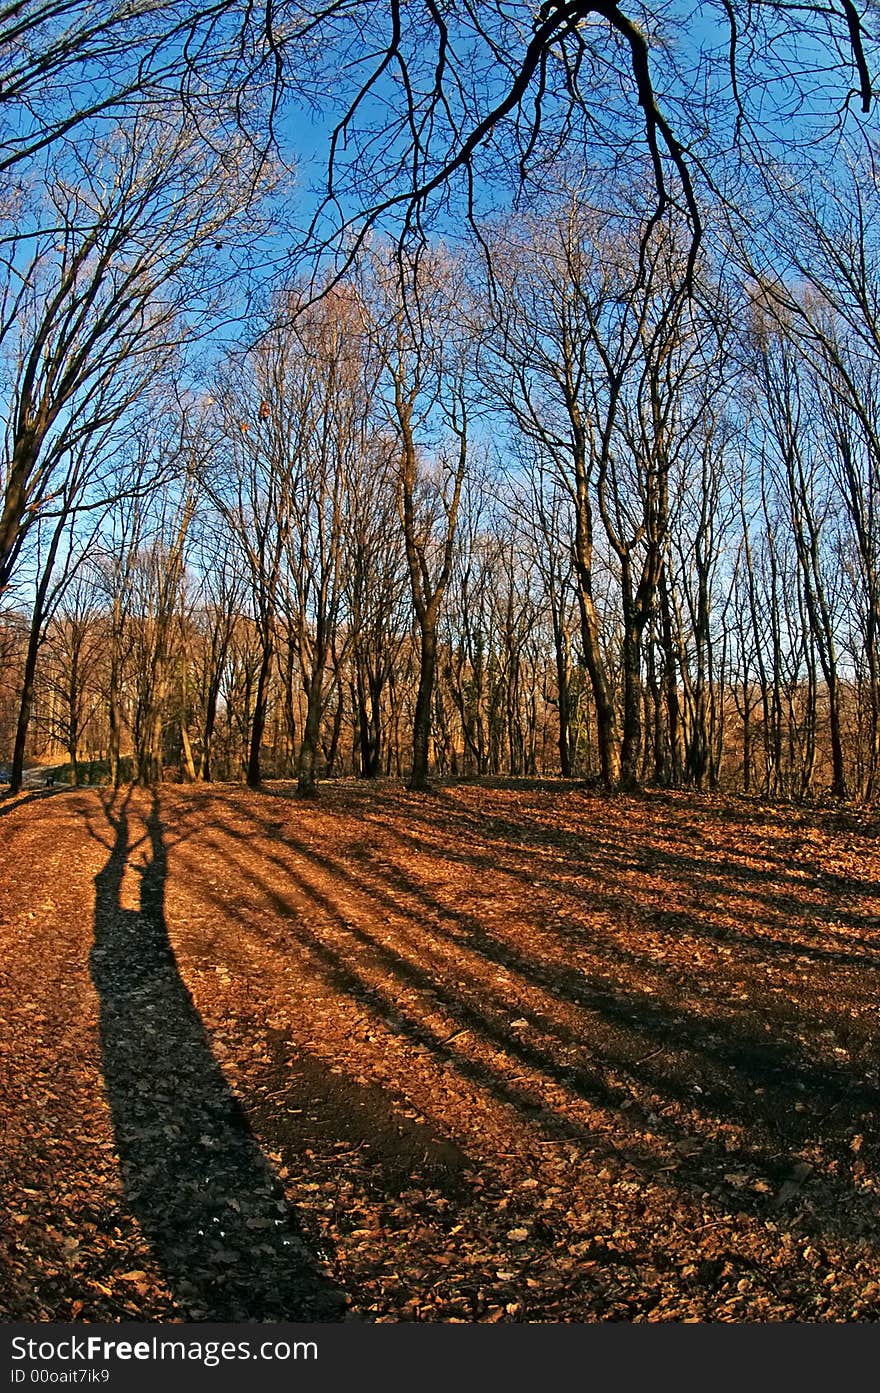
{"type": "Point", "coordinates": [764, 891]}
{"type": "Point", "coordinates": [748, 1075]}
{"type": "Point", "coordinates": [215, 1215]}
{"type": "Point", "coordinates": [11, 802]}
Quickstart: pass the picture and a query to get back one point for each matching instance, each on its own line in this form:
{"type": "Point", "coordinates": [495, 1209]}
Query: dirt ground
{"type": "Point", "coordinates": [507, 1053]}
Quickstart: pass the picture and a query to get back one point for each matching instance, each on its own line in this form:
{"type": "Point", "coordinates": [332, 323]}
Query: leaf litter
{"type": "Point", "coordinates": [496, 1053]}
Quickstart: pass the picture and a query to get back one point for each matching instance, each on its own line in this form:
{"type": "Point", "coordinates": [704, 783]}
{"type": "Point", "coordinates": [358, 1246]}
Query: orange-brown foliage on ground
{"type": "Point", "coordinates": [485, 1054]}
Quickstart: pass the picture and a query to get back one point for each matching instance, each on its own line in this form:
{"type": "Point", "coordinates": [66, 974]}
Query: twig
{"type": "Point", "coordinates": [458, 1034]}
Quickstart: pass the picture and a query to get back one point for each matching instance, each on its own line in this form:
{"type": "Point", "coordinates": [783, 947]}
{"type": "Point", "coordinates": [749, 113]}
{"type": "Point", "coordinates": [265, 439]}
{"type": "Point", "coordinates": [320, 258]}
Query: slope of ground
{"type": "Point", "coordinates": [487, 1054]}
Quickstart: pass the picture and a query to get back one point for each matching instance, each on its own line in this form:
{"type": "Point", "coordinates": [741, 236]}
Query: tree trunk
{"type": "Point", "coordinates": [73, 717]}
{"type": "Point", "coordinates": [187, 754]}
{"type": "Point", "coordinates": [418, 778]}
{"type": "Point", "coordinates": [258, 722]}
{"type": "Point", "coordinates": [632, 704]}
{"type": "Point", "coordinates": [330, 752]}
{"type": "Point", "coordinates": [838, 768]}
{"type": "Point", "coordinates": [205, 769]}
{"type": "Point", "coordinates": [747, 739]}
{"type": "Point", "coordinates": [113, 737]}
{"type": "Point", "coordinates": [606, 717]}
{"type": "Point", "coordinates": [35, 638]}
{"type": "Point", "coordinates": [563, 684]}
{"type": "Point", "coordinates": [25, 706]}
{"type": "Point", "coordinates": [369, 721]}
{"type": "Point", "coordinates": [306, 782]}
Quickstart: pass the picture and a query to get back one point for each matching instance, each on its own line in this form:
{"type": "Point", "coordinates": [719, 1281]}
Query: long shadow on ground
{"type": "Point", "coordinates": [194, 1177]}
{"type": "Point", "coordinates": [640, 1050]}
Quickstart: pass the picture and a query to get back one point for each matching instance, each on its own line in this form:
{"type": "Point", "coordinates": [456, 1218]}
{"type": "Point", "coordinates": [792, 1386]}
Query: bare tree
{"type": "Point", "coordinates": [438, 101]}
{"type": "Point", "coordinates": [426, 347]}
{"type": "Point", "coordinates": [544, 515]}
{"type": "Point", "coordinates": [813, 278]}
{"type": "Point", "coordinates": [246, 480]}
{"type": "Point", "coordinates": [376, 581]}
{"type": "Point", "coordinates": [324, 383]}
{"type": "Point", "coordinates": [73, 652]}
{"type": "Point", "coordinates": [99, 298]}
{"type": "Point", "coordinates": [220, 592]}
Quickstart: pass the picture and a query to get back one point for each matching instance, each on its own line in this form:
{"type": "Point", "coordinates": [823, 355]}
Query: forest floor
{"type": "Point", "coordinates": [500, 1052]}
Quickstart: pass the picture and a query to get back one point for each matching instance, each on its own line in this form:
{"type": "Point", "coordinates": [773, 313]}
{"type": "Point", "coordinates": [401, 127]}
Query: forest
{"type": "Point", "coordinates": [440, 659]}
{"type": "Point", "coordinates": [584, 495]}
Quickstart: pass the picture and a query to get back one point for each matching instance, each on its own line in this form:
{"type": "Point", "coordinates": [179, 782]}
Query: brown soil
{"type": "Point", "coordinates": [488, 1054]}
